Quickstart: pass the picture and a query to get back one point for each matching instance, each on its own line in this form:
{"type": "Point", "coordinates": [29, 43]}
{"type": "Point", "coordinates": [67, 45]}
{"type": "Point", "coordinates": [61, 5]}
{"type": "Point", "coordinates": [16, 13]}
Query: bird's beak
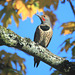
{"type": "Point", "coordinates": [40, 18]}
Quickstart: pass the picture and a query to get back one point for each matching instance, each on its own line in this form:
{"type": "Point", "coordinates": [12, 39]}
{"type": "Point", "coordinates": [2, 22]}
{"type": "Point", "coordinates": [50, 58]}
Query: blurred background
{"type": "Point", "coordinates": [19, 16]}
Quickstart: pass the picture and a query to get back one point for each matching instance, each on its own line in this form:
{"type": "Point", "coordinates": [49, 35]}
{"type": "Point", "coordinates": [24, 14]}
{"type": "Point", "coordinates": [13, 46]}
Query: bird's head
{"type": "Point", "coordinates": [44, 19]}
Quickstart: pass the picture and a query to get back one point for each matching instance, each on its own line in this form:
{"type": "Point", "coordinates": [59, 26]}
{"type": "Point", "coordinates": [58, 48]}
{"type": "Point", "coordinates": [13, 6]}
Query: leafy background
{"type": "Point", "coordinates": [19, 16]}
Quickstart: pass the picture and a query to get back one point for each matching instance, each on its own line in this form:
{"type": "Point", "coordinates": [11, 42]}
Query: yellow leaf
{"type": "Point", "coordinates": [33, 10]}
{"type": "Point", "coordinates": [8, 0]}
{"type": "Point", "coordinates": [40, 10]}
{"type": "Point", "coordinates": [22, 9]}
{"type": "Point", "coordinates": [68, 28]}
{"type": "Point", "coordinates": [74, 44]}
{"type": "Point", "coordinates": [19, 4]}
{"type": "Point", "coordinates": [23, 67]}
{"type": "Point", "coordinates": [31, 20]}
{"type": "Point", "coordinates": [27, 11]}
{"type": "Point", "coordinates": [67, 32]}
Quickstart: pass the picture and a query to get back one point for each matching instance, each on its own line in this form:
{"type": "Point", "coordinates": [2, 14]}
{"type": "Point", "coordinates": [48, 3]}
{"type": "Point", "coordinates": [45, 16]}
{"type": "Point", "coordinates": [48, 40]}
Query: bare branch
{"type": "Point", "coordinates": [71, 6]}
{"type": "Point", "coordinates": [9, 38]}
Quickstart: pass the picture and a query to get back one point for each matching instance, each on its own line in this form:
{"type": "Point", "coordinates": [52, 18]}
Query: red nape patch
{"type": "Point", "coordinates": [43, 19]}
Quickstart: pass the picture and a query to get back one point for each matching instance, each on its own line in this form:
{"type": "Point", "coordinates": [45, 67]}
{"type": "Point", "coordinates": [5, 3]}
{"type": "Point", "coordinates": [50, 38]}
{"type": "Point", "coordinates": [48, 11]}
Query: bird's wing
{"type": "Point", "coordinates": [37, 35]}
{"type": "Point", "coordinates": [37, 40]}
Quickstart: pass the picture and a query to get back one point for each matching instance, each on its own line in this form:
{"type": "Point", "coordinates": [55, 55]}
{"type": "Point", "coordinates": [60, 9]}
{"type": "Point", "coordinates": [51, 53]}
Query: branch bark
{"type": "Point", "coordinates": [9, 38]}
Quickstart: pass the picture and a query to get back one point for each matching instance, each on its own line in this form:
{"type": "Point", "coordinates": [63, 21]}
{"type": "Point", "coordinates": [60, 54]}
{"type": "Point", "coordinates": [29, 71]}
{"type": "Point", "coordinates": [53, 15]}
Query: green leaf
{"type": "Point", "coordinates": [7, 18]}
{"type": "Point", "coordinates": [48, 3]}
{"type": "Point", "coordinates": [36, 4]}
{"type": "Point", "coordinates": [2, 11]}
{"type": "Point", "coordinates": [57, 73]}
{"type": "Point", "coordinates": [16, 18]}
{"type": "Point", "coordinates": [67, 45]}
{"type": "Point", "coordinates": [73, 52]}
{"type": "Point", "coordinates": [2, 2]}
{"type": "Point", "coordinates": [5, 63]}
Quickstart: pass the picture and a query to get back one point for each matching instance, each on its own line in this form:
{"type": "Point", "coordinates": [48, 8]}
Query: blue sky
{"type": "Point", "coordinates": [27, 29]}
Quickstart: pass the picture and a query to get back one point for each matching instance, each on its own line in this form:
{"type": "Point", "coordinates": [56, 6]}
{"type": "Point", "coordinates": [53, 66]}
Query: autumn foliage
{"type": "Point", "coordinates": [21, 9]}
{"type": "Point", "coordinates": [26, 9]}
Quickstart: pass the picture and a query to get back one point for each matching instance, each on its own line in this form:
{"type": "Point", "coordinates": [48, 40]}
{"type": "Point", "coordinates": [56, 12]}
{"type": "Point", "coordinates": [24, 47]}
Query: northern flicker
{"type": "Point", "coordinates": [43, 34]}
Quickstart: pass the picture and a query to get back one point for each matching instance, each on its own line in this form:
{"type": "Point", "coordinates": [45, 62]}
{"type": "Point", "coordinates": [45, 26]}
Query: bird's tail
{"type": "Point", "coordinates": [36, 62]}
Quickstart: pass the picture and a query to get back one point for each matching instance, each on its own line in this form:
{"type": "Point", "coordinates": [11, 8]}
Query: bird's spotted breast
{"type": "Point", "coordinates": [45, 37]}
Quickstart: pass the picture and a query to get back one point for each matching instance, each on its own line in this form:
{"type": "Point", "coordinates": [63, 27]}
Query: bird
{"type": "Point", "coordinates": [43, 34]}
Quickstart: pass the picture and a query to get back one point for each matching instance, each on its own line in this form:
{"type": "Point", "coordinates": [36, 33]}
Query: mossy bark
{"type": "Point", "coordinates": [9, 38]}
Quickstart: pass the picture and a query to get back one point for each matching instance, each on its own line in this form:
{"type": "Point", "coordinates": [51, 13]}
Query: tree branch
{"type": "Point", "coordinates": [71, 6]}
{"type": "Point", "coordinates": [9, 38]}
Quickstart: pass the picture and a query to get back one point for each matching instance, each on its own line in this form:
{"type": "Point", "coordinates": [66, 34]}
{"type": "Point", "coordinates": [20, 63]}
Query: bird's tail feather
{"type": "Point", "coordinates": [36, 62]}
